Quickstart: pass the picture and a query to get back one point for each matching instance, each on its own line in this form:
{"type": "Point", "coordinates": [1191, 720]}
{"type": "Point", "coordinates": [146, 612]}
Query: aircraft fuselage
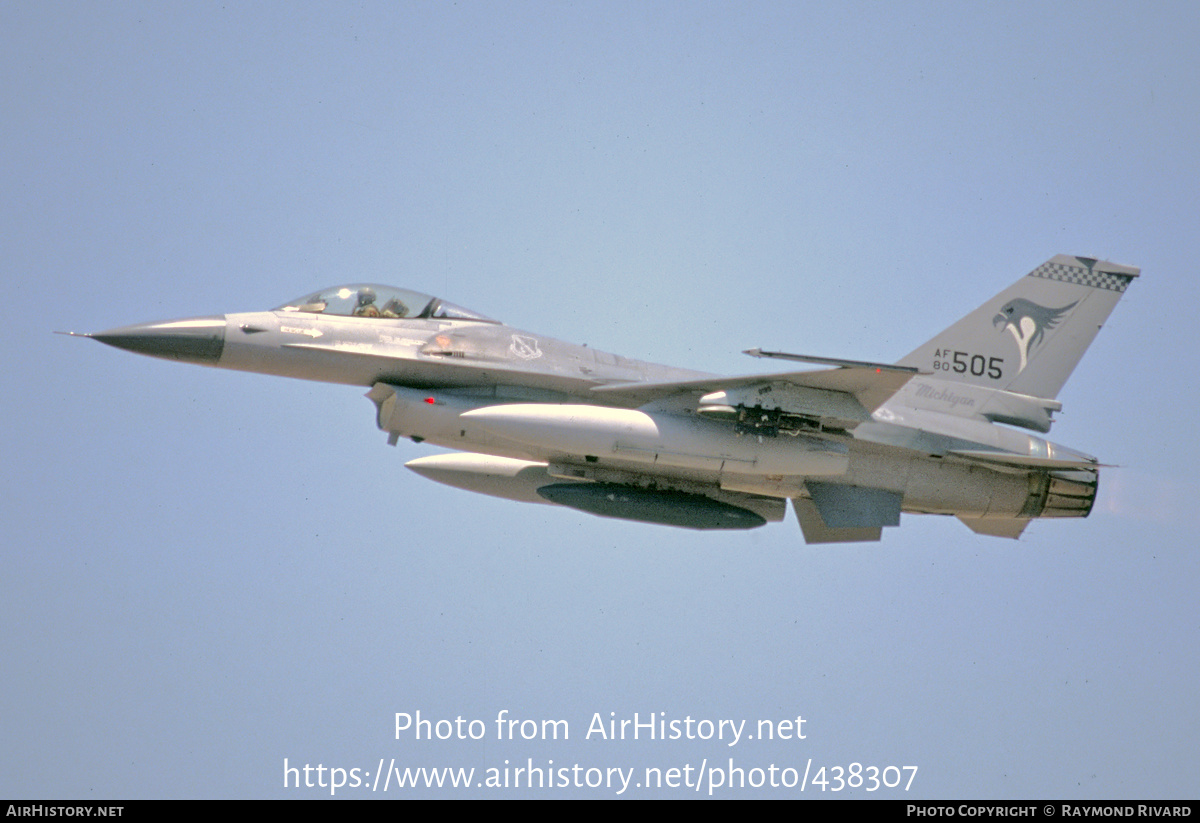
{"type": "Point", "coordinates": [542, 420]}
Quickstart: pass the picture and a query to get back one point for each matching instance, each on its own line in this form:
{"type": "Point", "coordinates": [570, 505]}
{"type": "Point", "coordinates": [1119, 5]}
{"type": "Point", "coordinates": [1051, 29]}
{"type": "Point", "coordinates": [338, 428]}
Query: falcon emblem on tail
{"type": "Point", "coordinates": [1028, 323]}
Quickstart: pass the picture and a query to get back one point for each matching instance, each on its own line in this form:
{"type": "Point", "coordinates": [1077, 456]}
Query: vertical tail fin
{"type": "Point", "coordinates": [1029, 338]}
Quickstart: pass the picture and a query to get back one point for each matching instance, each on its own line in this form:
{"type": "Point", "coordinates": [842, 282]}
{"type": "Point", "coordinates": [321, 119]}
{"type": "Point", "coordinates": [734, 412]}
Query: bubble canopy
{"type": "Point", "coordinates": [374, 300]}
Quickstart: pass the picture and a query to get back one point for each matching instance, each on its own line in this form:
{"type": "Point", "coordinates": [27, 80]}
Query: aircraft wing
{"type": "Point", "coordinates": [848, 392]}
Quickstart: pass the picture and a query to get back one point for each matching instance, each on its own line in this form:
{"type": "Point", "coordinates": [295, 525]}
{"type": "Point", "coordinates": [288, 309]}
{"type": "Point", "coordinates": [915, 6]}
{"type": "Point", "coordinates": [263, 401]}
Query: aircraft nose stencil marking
{"type": "Point", "coordinates": [524, 347]}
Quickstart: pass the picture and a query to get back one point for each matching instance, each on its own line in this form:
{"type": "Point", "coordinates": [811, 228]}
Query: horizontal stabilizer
{"type": "Point", "coordinates": [1024, 461]}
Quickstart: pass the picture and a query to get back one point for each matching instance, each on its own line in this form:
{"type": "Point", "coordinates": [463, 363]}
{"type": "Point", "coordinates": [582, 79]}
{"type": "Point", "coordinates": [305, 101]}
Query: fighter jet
{"type": "Point", "coordinates": [944, 430]}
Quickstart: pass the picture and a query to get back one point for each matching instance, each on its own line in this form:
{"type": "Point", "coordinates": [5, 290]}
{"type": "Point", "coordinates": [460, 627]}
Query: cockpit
{"type": "Point", "coordinates": [373, 300]}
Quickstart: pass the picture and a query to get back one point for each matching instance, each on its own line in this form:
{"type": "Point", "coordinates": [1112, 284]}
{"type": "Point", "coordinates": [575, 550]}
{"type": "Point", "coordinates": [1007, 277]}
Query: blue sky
{"type": "Point", "coordinates": [208, 572]}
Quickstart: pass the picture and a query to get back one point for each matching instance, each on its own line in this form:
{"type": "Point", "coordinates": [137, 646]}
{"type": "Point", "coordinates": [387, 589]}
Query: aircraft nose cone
{"type": "Point", "coordinates": [195, 340]}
